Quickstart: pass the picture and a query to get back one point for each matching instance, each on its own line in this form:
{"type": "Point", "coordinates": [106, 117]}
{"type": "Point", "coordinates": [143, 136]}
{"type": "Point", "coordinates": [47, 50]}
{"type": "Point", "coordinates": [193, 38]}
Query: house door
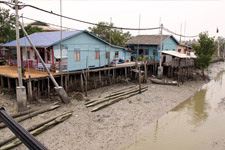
{"type": "Point", "coordinates": [42, 55]}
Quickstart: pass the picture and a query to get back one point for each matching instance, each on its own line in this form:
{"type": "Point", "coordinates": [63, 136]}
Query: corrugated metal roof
{"type": "Point", "coordinates": [179, 55]}
{"type": "Point", "coordinates": [149, 39]}
{"type": "Point", "coordinates": [43, 39]}
{"type": "Point", "coordinates": [47, 39]}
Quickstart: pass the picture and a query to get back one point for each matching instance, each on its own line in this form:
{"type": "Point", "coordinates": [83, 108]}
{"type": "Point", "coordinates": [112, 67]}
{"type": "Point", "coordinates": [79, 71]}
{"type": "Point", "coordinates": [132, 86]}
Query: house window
{"type": "Point", "coordinates": [77, 56]}
{"type": "Point", "coordinates": [28, 54]}
{"type": "Point", "coordinates": [179, 50]}
{"type": "Point", "coordinates": [141, 51]}
{"type": "Point", "coordinates": [117, 54]}
{"type": "Point", "coordinates": [97, 54]}
{"type": "Point", "coordinates": [146, 52]}
{"type": "Point", "coordinates": [155, 52]}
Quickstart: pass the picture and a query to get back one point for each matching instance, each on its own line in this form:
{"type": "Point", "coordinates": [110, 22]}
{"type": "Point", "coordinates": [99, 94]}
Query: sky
{"type": "Point", "coordinates": [189, 17]}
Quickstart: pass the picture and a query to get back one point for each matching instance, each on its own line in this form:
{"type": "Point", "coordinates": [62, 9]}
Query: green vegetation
{"type": "Point", "coordinates": [7, 27]}
{"type": "Point", "coordinates": [7, 32]}
{"type": "Point", "coordinates": [105, 31]}
{"type": "Point", "coordinates": [204, 51]}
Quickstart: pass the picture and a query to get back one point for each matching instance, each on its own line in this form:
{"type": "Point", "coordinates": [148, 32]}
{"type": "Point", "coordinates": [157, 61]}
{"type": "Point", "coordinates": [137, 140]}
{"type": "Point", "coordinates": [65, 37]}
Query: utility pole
{"type": "Point", "coordinates": [60, 90]}
{"type": "Point", "coordinates": [20, 90]}
{"type": "Point", "coordinates": [160, 68]}
{"type": "Point", "coordinates": [60, 66]}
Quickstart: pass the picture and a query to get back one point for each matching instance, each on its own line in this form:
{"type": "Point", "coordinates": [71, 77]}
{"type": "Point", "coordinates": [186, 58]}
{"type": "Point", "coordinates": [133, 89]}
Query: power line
{"type": "Point", "coordinates": [167, 30]}
{"type": "Point", "coordinates": [86, 22]}
{"type": "Point", "coordinates": [78, 20]}
{"type": "Point", "coordinates": [50, 23]}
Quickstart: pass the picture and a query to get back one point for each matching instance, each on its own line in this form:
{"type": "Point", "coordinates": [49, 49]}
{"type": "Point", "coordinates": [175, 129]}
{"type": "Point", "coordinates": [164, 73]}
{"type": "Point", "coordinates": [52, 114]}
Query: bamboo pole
{"type": "Point", "coordinates": [22, 118]}
{"type": "Point", "coordinates": [115, 100]}
{"type": "Point", "coordinates": [112, 97]}
{"type": "Point", "coordinates": [32, 128]}
{"type": "Point", "coordinates": [113, 94]}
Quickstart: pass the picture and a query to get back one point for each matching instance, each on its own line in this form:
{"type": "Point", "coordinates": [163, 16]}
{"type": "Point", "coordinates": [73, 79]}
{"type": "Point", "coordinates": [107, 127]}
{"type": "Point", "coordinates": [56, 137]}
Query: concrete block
{"type": "Point", "coordinates": [21, 98]}
{"type": "Point", "coordinates": [62, 94]}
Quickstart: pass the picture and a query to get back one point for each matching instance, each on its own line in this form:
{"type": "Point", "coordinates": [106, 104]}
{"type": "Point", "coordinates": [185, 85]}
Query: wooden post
{"type": "Point", "coordinates": [48, 87]}
{"type": "Point", "coordinates": [66, 83]}
{"type": "Point", "coordinates": [2, 82]}
{"type": "Point", "coordinates": [130, 73]}
{"type": "Point", "coordinates": [100, 78]}
{"type": "Point", "coordinates": [109, 76]}
{"type": "Point", "coordinates": [16, 81]}
{"type": "Point", "coordinates": [139, 79]}
{"type": "Point", "coordinates": [9, 84]}
{"type": "Point", "coordinates": [29, 89]}
{"type": "Point", "coordinates": [42, 85]}
{"type": "Point", "coordinates": [125, 72]}
{"type": "Point", "coordinates": [85, 79]}
{"type": "Point", "coordinates": [146, 72]}
{"type": "Point", "coordinates": [81, 83]}
{"type": "Point", "coordinates": [113, 76]}
{"type": "Point", "coordinates": [61, 80]}
{"type": "Point", "coordinates": [95, 85]}
{"type": "Point", "coordinates": [39, 93]}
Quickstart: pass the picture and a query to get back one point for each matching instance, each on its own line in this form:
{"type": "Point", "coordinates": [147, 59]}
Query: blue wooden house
{"type": "Point", "coordinates": [80, 50]}
{"type": "Point", "coordinates": [149, 45]}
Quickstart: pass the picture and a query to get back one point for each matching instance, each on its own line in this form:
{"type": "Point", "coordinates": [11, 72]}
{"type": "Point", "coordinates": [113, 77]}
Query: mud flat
{"type": "Point", "coordinates": [113, 127]}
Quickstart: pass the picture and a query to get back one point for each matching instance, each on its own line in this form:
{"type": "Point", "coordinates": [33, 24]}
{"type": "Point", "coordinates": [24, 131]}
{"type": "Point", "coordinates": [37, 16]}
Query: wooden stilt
{"type": "Point", "coordinates": [81, 83]}
{"type": "Point", "coordinates": [2, 82]}
{"type": "Point", "coordinates": [16, 81]}
{"type": "Point", "coordinates": [66, 83]}
{"type": "Point", "coordinates": [39, 93]}
{"type": "Point", "coordinates": [48, 87]}
{"type": "Point", "coordinates": [113, 76]}
{"type": "Point", "coordinates": [109, 76]}
{"type": "Point", "coordinates": [146, 72]}
{"type": "Point", "coordinates": [86, 82]}
{"type": "Point", "coordinates": [61, 80]}
{"type": "Point", "coordinates": [29, 89]}
{"type": "Point", "coordinates": [125, 72]}
{"type": "Point", "coordinates": [95, 85]}
{"type": "Point", "coordinates": [100, 78]}
{"type": "Point", "coordinates": [9, 84]}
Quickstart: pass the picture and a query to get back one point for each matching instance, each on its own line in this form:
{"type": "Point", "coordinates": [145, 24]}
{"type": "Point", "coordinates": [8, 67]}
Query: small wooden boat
{"type": "Point", "coordinates": [164, 82]}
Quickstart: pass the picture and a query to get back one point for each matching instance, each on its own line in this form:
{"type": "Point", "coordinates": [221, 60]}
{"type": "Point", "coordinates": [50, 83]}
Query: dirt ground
{"type": "Point", "coordinates": [111, 127]}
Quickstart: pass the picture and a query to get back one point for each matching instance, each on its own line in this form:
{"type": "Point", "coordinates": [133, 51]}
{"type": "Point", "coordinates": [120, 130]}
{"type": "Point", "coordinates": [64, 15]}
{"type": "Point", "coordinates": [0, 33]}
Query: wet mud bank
{"type": "Point", "coordinates": [116, 126]}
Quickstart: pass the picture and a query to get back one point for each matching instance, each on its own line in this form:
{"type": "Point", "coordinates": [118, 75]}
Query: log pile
{"type": "Point", "coordinates": [35, 130]}
{"type": "Point", "coordinates": [114, 97]}
{"type": "Point", "coordinates": [30, 113]}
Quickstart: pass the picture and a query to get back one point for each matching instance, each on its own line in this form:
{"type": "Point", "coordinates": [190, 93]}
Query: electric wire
{"type": "Point", "coordinates": [86, 22]}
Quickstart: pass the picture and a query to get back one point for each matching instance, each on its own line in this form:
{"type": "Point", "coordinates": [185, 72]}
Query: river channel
{"type": "Point", "coordinates": [196, 124]}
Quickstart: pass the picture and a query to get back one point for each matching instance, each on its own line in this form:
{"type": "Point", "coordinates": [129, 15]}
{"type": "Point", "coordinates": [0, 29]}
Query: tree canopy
{"type": "Point", "coordinates": [105, 31]}
{"type": "Point", "coordinates": [204, 50]}
{"type": "Point", "coordinates": [7, 32]}
{"type": "Point", "coordinates": [7, 27]}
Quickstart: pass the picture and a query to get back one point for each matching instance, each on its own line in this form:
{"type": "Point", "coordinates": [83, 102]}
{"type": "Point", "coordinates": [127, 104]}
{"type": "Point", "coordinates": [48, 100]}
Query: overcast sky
{"type": "Point", "coordinates": [199, 15]}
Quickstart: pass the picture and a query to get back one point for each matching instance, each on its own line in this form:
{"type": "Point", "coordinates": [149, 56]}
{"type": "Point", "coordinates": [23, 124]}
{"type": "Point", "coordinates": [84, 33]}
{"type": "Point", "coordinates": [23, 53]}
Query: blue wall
{"type": "Point", "coordinates": [87, 45]}
{"type": "Point", "coordinates": [168, 44]}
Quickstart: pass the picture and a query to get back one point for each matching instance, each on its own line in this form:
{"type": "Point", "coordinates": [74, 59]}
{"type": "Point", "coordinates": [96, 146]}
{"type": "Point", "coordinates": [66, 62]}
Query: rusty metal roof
{"type": "Point", "coordinates": [148, 39]}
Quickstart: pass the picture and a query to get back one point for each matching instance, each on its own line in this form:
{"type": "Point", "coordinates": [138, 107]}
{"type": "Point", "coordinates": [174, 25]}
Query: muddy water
{"type": "Point", "coordinates": [196, 124]}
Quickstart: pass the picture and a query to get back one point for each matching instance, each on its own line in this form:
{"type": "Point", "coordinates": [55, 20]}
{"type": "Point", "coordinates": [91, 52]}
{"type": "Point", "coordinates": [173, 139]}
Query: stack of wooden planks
{"type": "Point", "coordinates": [115, 97]}
{"type": "Point", "coordinates": [13, 141]}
